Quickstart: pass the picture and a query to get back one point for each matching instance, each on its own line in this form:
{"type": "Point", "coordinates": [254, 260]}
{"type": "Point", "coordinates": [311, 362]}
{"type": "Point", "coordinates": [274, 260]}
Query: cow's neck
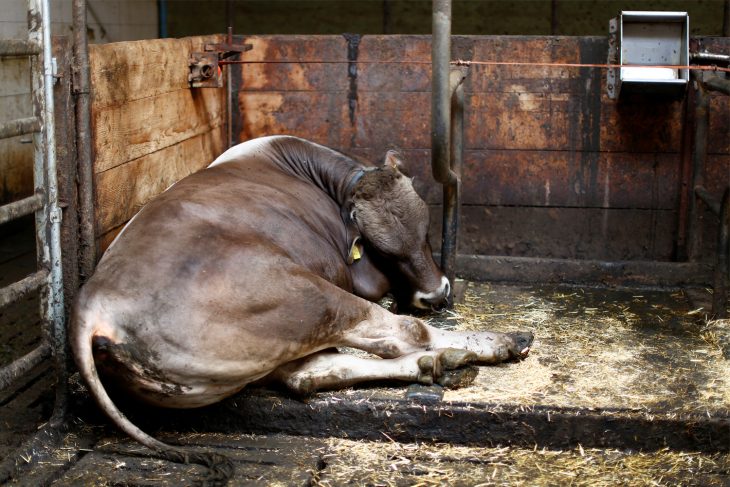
{"type": "Point", "coordinates": [331, 171]}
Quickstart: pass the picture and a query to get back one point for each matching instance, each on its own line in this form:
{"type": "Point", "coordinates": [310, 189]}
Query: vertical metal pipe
{"type": "Point", "coordinates": [230, 19]}
{"type": "Point", "coordinates": [441, 132]}
{"type": "Point", "coordinates": [162, 18]}
{"type": "Point", "coordinates": [55, 312]}
{"type": "Point", "coordinates": [452, 190]}
{"type": "Point", "coordinates": [82, 91]}
{"type": "Point", "coordinates": [55, 308]}
{"type": "Point", "coordinates": [387, 18]}
{"type": "Point", "coordinates": [229, 83]}
{"type": "Point", "coordinates": [699, 157]}
{"type": "Point", "coordinates": [722, 269]}
{"type": "Point", "coordinates": [554, 17]}
{"type": "Point", "coordinates": [440, 97]}
{"type": "Point", "coordinates": [48, 218]}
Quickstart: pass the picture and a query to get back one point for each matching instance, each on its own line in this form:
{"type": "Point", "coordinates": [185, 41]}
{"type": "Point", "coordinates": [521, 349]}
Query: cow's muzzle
{"type": "Point", "coordinates": [434, 300]}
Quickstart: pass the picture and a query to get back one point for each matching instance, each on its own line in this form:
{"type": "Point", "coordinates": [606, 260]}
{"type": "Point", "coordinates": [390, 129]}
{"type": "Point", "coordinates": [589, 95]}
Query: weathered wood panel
{"type": "Point", "coordinates": [129, 131]}
{"type": "Point", "coordinates": [561, 170]}
{"type": "Point", "coordinates": [123, 72]}
{"type": "Point", "coordinates": [124, 190]}
{"type": "Point", "coordinates": [149, 128]}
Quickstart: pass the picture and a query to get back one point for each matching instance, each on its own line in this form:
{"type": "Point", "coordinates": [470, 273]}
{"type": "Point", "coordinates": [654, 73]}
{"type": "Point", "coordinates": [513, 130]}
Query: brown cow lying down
{"type": "Point", "coordinates": [258, 267]}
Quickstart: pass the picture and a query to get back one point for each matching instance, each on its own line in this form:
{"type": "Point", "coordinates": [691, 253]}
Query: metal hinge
{"type": "Point", "coordinates": [54, 70]}
{"type": "Point", "coordinates": [56, 215]}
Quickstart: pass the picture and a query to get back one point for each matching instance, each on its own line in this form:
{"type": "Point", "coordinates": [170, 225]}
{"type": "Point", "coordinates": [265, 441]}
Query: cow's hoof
{"type": "Point", "coordinates": [302, 386]}
{"type": "Point", "coordinates": [462, 377]}
{"type": "Point", "coordinates": [448, 368]}
{"type": "Point", "coordinates": [453, 358]}
{"type": "Point", "coordinates": [520, 346]}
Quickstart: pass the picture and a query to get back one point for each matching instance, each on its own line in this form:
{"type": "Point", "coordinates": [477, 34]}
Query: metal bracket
{"type": "Point", "coordinates": [205, 70]}
{"type": "Point", "coordinates": [56, 215]}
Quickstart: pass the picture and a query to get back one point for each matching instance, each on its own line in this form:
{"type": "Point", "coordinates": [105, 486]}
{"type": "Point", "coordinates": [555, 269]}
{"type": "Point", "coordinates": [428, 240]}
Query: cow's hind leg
{"type": "Point", "coordinates": [332, 370]}
{"type": "Point", "coordinates": [387, 335]}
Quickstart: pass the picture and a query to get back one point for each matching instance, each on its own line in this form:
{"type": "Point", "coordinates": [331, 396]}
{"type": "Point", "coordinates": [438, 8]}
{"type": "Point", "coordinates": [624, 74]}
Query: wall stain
{"type": "Point", "coordinates": [353, 48]}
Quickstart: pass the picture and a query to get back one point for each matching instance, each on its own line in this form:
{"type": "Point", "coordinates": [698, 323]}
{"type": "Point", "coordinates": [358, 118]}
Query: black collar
{"type": "Point", "coordinates": [354, 180]}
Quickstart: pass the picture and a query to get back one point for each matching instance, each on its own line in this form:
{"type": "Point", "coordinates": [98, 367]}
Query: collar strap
{"type": "Point", "coordinates": [356, 179]}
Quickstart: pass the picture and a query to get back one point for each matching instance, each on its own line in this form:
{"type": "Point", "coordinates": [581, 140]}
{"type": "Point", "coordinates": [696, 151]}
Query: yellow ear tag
{"type": "Point", "coordinates": [356, 252]}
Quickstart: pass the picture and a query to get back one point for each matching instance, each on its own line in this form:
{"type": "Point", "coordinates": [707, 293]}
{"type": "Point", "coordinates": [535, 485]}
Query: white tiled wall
{"type": "Point", "coordinates": [108, 21]}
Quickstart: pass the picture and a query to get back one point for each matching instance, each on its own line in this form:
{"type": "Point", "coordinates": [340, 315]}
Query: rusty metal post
{"type": "Point", "coordinates": [82, 91]}
{"type": "Point", "coordinates": [452, 190]}
{"type": "Point", "coordinates": [713, 82]}
{"type": "Point", "coordinates": [722, 269]}
{"type": "Point", "coordinates": [229, 83]}
{"type": "Point", "coordinates": [441, 132]}
{"type": "Point", "coordinates": [699, 157]}
{"type": "Point", "coordinates": [440, 96]}
{"type": "Point", "coordinates": [553, 17]}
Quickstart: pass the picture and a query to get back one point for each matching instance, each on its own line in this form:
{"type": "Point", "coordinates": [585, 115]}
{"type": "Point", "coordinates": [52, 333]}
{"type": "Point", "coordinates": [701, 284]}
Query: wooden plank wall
{"type": "Point", "coordinates": [149, 128]}
{"type": "Point", "coordinates": [553, 168]}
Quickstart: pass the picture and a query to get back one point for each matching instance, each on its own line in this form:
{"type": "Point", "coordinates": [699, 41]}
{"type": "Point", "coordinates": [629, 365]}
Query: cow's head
{"type": "Point", "coordinates": [393, 222]}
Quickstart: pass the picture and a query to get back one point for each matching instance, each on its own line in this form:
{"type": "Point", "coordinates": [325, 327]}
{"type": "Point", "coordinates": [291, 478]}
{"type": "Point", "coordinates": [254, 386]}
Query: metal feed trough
{"type": "Point", "coordinates": [648, 46]}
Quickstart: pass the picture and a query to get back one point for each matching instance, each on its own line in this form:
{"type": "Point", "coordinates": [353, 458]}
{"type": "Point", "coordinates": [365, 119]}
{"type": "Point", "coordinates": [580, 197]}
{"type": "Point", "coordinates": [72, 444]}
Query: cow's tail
{"type": "Point", "coordinates": [220, 466]}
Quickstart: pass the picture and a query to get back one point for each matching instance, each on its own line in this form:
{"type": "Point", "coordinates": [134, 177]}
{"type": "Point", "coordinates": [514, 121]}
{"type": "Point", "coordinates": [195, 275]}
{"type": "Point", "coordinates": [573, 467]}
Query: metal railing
{"type": "Point", "coordinates": [447, 133]}
{"type": "Point", "coordinates": [43, 203]}
{"type": "Point", "coordinates": [721, 278]}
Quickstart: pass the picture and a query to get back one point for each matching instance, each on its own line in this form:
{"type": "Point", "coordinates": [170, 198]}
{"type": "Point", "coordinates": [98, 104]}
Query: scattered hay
{"type": "Point", "coordinates": [717, 334]}
{"type": "Point", "coordinates": [395, 464]}
{"type": "Point", "coordinates": [597, 348]}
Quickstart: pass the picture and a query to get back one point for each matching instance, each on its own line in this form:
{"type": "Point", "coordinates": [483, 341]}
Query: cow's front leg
{"type": "Point", "coordinates": [331, 370]}
{"type": "Point", "coordinates": [388, 335]}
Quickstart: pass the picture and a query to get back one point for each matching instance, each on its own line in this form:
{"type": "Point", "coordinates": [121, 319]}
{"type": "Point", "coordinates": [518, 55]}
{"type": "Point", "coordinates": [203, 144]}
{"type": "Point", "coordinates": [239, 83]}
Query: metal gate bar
{"type": "Point", "coordinates": [19, 47]}
{"type": "Point", "coordinates": [17, 209]}
{"type": "Point", "coordinates": [20, 126]}
{"type": "Point", "coordinates": [44, 203]}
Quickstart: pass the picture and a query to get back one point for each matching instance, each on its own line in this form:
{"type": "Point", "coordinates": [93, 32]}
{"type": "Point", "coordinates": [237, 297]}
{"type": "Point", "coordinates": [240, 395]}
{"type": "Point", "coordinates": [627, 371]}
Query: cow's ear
{"type": "Point", "coordinates": [393, 159]}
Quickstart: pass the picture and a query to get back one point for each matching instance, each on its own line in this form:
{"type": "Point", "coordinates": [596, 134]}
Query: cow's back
{"type": "Point", "coordinates": [228, 208]}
